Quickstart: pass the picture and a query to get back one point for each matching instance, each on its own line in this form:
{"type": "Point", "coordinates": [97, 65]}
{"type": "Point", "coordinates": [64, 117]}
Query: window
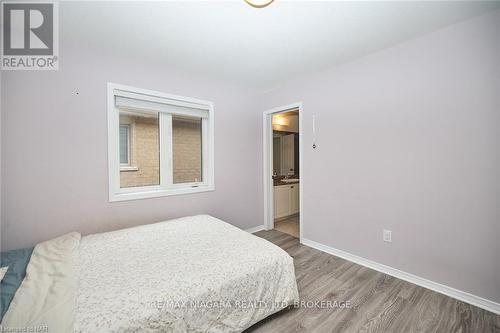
{"type": "Point", "coordinates": [124, 144]}
{"type": "Point", "coordinates": [158, 144]}
{"type": "Point", "coordinates": [142, 166]}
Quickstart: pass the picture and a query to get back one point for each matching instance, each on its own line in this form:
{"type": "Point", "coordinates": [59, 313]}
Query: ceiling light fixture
{"type": "Point", "coordinates": [279, 120]}
{"type": "Point", "coordinates": [259, 3]}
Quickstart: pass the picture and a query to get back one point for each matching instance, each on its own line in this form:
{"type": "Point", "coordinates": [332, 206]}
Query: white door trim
{"type": "Point", "coordinates": [267, 132]}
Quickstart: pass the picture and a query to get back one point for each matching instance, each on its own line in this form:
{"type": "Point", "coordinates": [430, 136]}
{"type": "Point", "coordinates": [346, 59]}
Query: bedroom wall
{"type": "Point", "coordinates": [408, 141]}
{"type": "Point", "coordinates": [54, 148]}
{"type": "Point", "coordinates": [1, 113]}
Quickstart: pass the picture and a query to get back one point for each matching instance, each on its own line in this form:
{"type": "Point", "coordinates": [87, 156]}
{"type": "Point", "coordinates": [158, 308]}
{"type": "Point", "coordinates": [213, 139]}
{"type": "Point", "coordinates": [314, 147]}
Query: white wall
{"type": "Point", "coordinates": [1, 112]}
{"type": "Point", "coordinates": [54, 149]}
{"type": "Point", "coordinates": [408, 140]}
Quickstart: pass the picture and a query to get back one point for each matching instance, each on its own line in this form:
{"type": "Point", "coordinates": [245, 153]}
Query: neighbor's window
{"type": "Point", "coordinates": [158, 144]}
{"type": "Point", "coordinates": [124, 144]}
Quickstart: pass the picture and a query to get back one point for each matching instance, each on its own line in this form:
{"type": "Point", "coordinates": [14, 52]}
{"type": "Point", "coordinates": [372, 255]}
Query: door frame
{"type": "Point", "coordinates": [267, 131]}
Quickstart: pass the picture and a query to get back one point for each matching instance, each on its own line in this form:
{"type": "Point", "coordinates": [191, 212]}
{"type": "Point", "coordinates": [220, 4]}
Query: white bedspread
{"type": "Point", "coordinates": [194, 274]}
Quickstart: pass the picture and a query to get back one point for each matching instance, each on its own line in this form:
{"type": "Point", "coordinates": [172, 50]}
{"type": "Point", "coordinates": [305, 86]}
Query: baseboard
{"type": "Point", "coordinates": [255, 229]}
{"type": "Point", "coordinates": [437, 287]}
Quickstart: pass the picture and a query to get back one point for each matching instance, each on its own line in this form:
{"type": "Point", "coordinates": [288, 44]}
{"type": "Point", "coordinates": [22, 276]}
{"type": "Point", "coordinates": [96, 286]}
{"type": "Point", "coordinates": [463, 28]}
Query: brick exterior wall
{"type": "Point", "coordinates": [187, 150]}
{"type": "Point", "coordinates": [144, 157]}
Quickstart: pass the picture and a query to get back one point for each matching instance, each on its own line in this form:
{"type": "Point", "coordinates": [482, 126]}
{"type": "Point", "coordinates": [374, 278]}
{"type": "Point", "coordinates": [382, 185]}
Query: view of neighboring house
{"type": "Point", "coordinates": [140, 149]}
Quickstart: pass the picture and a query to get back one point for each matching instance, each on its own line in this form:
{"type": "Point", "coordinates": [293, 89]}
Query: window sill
{"type": "Point", "coordinates": [157, 193]}
{"type": "Point", "coordinates": [129, 168]}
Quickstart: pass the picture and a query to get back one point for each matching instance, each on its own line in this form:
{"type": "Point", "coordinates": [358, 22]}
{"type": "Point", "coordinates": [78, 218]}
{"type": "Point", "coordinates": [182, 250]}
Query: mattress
{"type": "Point", "coordinates": [193, 274]}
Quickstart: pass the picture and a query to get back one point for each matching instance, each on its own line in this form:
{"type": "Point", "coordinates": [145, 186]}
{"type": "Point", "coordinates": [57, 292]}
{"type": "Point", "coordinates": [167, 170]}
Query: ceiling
{"type": "Point", "coordinates": [256, 48]}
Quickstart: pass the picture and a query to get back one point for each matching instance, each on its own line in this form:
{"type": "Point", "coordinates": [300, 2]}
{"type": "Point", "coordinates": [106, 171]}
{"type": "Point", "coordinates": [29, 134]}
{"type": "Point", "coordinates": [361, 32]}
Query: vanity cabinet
{"type": "Point", "coordinates": [286, 200]}
{"type": "Point", "coordinates": [294, 199]}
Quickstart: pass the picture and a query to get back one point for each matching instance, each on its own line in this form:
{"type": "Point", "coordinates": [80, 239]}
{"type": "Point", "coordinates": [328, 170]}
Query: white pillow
{"type": "Point", "coordinates": [3, 270]}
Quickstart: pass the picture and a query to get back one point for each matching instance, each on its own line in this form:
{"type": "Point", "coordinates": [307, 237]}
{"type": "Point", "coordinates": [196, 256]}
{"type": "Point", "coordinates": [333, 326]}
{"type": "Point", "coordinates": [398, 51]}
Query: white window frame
{"type": "Point", "coordinates": [166, 187]}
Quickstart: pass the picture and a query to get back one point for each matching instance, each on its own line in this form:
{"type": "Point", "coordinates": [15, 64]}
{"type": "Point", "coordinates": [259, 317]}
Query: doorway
{"type": "Point", "coordinates": [283, 169]}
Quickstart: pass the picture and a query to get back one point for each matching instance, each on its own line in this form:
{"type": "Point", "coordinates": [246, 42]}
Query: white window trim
{"type": "Point", "coordinates": [166, 187]}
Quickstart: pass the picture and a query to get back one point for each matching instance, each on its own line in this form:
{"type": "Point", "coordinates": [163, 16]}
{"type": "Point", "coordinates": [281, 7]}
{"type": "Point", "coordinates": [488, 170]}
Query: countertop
{"type": "Point", "coordinates": [278, 182]}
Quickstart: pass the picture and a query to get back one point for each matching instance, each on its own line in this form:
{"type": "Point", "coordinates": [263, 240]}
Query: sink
{"type": "Point", "coordinates": [292, 180]}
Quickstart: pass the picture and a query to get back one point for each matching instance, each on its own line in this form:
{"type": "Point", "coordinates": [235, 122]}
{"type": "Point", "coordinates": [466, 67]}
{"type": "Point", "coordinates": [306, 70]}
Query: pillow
{"type": "Point", "coordinates": [47, 295]}
{"type": "Point", "coordinates": [3, 270]}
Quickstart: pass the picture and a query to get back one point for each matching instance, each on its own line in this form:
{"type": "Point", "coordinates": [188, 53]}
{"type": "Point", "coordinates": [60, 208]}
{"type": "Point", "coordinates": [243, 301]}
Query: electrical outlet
{"type": "Point", "coordinates": [387, 236]}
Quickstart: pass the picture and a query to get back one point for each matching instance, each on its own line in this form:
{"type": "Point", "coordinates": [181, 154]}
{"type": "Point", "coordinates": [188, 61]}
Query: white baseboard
{"type": "Point", "coordinates": [437, 287]}
{"type": "Point", "coordinates": [255, 229]}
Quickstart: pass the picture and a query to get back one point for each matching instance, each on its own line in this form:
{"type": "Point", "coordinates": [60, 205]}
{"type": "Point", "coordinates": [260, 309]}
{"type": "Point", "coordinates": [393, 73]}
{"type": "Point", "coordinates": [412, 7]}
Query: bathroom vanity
{"type": "Point", "coordinates": [286, 198]}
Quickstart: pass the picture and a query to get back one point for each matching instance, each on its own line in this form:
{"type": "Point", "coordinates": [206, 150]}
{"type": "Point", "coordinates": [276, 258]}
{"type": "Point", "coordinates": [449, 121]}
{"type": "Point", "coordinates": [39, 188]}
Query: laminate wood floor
{"type": "Point", "coordinates": [379, 302]}
{"type": "Point", "coordinates": [289, 225]}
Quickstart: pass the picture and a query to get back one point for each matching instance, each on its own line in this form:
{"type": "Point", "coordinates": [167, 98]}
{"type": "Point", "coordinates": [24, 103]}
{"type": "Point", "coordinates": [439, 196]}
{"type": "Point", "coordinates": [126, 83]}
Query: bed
{"type": "Point", "coordinates": [193, 274]}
